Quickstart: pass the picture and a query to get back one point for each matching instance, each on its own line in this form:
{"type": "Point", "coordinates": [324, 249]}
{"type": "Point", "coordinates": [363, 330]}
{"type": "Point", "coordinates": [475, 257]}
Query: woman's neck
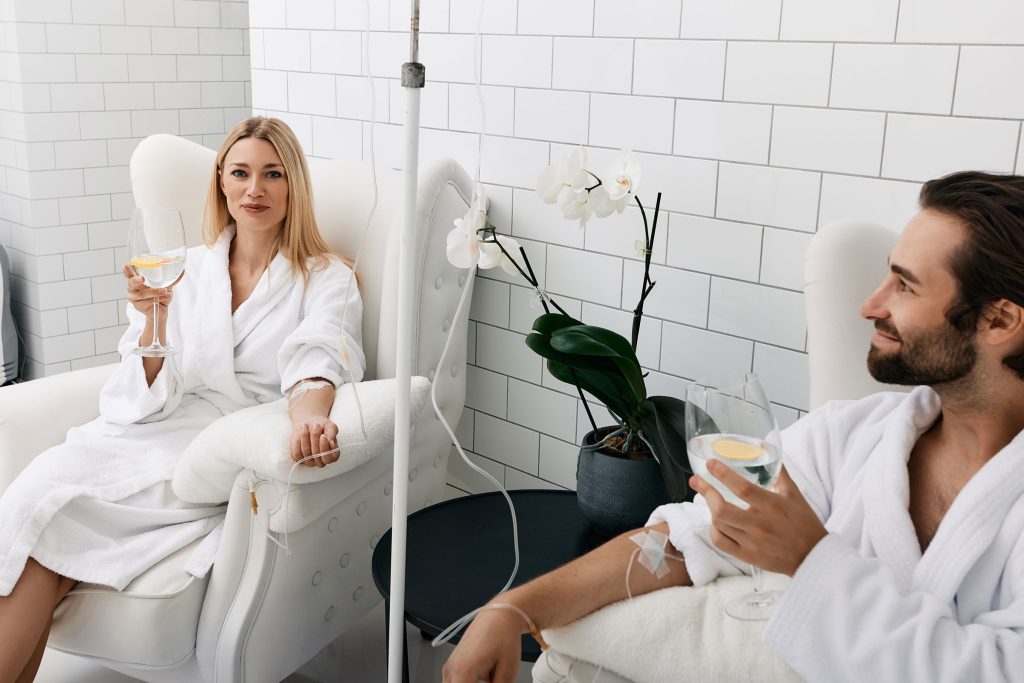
{"type": "Point", "coordinates": [252, 252]}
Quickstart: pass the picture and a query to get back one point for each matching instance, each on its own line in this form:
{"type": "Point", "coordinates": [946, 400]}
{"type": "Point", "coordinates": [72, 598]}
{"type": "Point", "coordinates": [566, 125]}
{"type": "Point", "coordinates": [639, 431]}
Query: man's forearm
{"type": "Point", "coordinates": [591, 582]}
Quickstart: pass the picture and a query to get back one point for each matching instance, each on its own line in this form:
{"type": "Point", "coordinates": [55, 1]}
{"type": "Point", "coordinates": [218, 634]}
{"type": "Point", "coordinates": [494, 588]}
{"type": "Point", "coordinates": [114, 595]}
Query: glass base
{"type": "Point", "coordinates": [753, 606]}
{"type": "Point", "coordinates": [154, 351]}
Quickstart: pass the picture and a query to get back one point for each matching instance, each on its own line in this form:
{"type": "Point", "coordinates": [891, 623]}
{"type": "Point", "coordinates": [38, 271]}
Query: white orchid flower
{"type": "Point", "coordinates": [602, 205]}
{"type": "Point", "coordinates": [623, 176]}
{"type": "Point", "coordinates": [567, 173]}
{"type": "Point", "coordinates": [464, 241]}
{"type": "Point", "coordinates": [575, 205]}
{"type": "Point", "coordinates": [491, 255]}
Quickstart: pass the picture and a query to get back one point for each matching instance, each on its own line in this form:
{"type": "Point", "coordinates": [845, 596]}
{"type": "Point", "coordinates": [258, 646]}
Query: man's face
{"type": "Point", "coordinates": [914, 343]}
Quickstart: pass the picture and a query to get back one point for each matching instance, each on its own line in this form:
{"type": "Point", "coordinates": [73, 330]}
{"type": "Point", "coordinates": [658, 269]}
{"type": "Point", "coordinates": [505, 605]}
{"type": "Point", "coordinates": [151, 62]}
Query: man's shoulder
{"type": "Point", "coordinates": [875, 409]}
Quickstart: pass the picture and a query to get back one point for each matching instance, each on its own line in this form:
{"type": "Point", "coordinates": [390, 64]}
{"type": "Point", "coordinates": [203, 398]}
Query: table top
{"type": "Point", "coordinates": [459, 553]}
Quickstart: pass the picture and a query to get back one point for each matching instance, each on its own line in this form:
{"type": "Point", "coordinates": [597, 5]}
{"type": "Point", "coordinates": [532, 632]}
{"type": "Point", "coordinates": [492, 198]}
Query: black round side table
{"type": "Point", "coordinates": [459, 553]}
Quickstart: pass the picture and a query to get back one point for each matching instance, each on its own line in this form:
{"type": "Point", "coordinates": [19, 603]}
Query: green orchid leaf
{"type": "Point", "coordinates": [549, 322]}
{"type": "Point", "coordinates": [606, 388]}
{"type": "Point", "coordinates": [664, 426]}
{"type": "Point", "coordinates": [587, 340]}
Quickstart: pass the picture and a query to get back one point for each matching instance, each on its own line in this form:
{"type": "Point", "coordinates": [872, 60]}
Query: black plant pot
{"type": "Point", "coordinates": [617, 494]}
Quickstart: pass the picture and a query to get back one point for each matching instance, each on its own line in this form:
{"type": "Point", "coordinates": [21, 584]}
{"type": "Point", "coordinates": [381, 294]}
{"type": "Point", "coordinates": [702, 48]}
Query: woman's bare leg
{"type": "Point", "coordinates": [25, 618]}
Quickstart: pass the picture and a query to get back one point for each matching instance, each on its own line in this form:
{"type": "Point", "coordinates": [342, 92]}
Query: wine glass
{"type": "Point", "coordinates": [156, 251]}
{"type": "Point", "coordinates": [736, 426]}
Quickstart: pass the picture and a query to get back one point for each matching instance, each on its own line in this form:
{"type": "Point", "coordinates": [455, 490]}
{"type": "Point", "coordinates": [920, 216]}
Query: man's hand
{"type": "Point", "coordinates": [311, 435]}
{"type": "Point", "coordinates": [489, 650]}
{"type": "Point", "coordinates": [778, 531]}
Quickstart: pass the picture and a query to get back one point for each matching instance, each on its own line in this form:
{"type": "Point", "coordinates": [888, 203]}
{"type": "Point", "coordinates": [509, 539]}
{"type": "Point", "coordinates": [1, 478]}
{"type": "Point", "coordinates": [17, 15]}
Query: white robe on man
{"type": "Point", "coordinates": [866, 604]}
{"type": "Point", "coordinates": [99, 507]}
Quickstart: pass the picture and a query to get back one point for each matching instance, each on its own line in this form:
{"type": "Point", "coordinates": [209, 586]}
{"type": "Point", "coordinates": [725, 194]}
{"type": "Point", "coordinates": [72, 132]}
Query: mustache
{"type": "Point", "coordinates": [887, 329]}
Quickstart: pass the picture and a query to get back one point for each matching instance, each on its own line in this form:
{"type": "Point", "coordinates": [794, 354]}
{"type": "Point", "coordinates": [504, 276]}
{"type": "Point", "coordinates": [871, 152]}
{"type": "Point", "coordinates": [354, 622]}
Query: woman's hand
{"type": "Point", "coordinates": [490, 649]}
{"type": "Point", "coordinates": [312, 435]}
{"type": "Point", "coordinates": [143, 297]}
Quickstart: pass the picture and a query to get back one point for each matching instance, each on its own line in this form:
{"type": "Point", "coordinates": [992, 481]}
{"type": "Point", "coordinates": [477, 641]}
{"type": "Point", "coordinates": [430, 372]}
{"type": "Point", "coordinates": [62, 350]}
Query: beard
{"type": "Point", "coordinates": [932, 357]}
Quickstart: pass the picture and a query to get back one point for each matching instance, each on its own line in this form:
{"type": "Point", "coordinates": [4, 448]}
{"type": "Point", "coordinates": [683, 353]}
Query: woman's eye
{"type": "Point", "coordinates": [238, 173]}
{"type": "Point", "coordinates": [274, 174]}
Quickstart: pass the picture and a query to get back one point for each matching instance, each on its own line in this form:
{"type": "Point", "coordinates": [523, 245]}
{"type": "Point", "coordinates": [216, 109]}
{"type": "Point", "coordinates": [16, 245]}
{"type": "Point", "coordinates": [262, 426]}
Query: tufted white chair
{"type": "Point", "coordinates": [260, 615]}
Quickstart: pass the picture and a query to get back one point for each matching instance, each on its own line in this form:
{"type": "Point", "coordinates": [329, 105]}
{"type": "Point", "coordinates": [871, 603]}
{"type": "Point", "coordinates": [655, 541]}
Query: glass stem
{"type": "Point", "coordinates": [156, 325]}
{"type": "Point", "coordinates": [756, 574]}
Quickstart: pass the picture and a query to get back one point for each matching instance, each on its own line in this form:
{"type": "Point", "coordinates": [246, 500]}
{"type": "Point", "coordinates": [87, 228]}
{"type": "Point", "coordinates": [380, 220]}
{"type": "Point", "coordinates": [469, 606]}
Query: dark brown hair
{"type": "Point", "coordinates": [990, 265]}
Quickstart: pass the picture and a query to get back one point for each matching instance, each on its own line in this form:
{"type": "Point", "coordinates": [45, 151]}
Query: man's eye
{"type": "Point", "coordinates": [238, 173]}
{"type": "Point", "coordinates": [902, 286]}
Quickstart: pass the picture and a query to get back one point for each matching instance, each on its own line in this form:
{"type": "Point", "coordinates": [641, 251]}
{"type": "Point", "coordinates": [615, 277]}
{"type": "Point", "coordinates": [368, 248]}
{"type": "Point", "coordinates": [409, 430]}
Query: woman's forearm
{"type": "Point", "coordinates": [152, 366]}
{"type": "Point", "coordinates": [310, 403]}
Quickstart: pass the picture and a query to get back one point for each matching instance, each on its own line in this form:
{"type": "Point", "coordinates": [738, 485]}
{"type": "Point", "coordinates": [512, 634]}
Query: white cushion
{"type": "Point", "coordinates": [258, 438]}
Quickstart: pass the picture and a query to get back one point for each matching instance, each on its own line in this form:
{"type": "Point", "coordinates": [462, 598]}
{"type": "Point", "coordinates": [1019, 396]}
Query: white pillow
{"type": "Point", "coordinates": [257, 438]}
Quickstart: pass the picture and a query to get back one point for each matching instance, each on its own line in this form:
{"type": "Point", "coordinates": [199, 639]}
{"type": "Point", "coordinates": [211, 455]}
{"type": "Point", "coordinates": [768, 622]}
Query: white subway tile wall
{"type": "Point", "coordinates": [82, 82]}
{"type": "Point", "coordinates": [759, 121]}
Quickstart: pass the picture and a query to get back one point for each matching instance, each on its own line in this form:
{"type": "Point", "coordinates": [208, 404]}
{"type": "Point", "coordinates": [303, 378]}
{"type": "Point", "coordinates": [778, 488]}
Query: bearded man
{"type": "Point", "coordinates": [899, 517]}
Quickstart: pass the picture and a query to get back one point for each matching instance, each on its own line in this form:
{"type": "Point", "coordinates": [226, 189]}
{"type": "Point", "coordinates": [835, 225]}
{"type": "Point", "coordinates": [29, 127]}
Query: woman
{"type": "Point", "coordinates": [263, 310]}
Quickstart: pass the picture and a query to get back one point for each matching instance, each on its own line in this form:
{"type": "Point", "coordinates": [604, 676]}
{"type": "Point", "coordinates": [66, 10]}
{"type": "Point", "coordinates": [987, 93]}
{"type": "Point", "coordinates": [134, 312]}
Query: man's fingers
{"type": "Point", "coordinates": [746, 491]}
{"type": "Point", "coordinates": [784, 484]}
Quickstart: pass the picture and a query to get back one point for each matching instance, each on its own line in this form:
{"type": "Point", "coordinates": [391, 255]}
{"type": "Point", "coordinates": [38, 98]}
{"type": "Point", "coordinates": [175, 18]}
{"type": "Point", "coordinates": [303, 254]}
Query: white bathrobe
{"type": "Point", "coordinates": [99, 507]}
{"type": "Point", "coordinates": [866, 604]}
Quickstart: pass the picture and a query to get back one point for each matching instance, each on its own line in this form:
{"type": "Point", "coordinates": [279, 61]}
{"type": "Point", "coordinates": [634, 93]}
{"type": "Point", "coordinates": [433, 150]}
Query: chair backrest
{"type": "Point", "coordinates": [845, 262]}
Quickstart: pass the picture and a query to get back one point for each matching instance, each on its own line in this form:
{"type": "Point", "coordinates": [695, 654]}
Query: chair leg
{"type": "Point", "coordinates": [387, 642]}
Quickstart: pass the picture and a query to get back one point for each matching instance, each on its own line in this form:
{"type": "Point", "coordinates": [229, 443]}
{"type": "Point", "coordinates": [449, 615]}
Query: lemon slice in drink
{"type": "Point", "coordinates": [150, 261]}
{"type": "Point", "coordinates": [732, 449]}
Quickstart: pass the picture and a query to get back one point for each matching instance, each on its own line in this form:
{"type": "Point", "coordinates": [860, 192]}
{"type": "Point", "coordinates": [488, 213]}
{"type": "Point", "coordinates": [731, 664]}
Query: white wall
{"type": "Point", "coordinates": [759, 120]}
{"type": "Point", "coordinates": [81, 82]}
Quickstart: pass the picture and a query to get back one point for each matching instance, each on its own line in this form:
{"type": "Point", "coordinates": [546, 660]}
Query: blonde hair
{"type": "Point", "coordinates": [299, 239]}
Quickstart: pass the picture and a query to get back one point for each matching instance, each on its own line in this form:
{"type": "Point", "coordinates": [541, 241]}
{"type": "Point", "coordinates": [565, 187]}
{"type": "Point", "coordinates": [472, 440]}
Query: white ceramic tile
{"type": "Point", "coordinates": [125, 39]}
{"type": "Point", "coordinates": [309, 14]}
{"type": "Point", "coordinates": [464, 430]}
{"type": "Point", "coordinates": [769, 196]}
{"type": "Point", "coordinates": [149, 12]}
{"type": "Point", "coordinates": [901, 78]}
{"type": "Point", "coordinates": [486, 391]}
{"type": "Point", "coordinates": [153, 68]}
{"type": "Point", "coordinates": [42, 10]}
{"type": "Point", "coordinates": [514, 479]}
{"type": "Point", "coordinates": [785, 375]}
{"type": "Point", "coordinates": [77, 97]}
{"type": "Point", "coordinates": [551, 115]}
{"type": "Point", "coordinates": [119, 151]}
{"type": "Point", "coordinates": [97, 125]}
{"type": "Point", "coordinates": [517, 60]}
{"type": "Point", "coordinates": [286, 50]}
{"type": "Point", "coordinates": [506, 352]}
{"type": "Point", "coordinates": [73, 38]}
{"type": "Point", "coordinates": [584, 275]}
{"type": "Point", "coordinates": [128, 95]}
{"type": "Point", "coordinates": [107, 339]}
{"type": "Point", "coordinates": [236, 68]}
{"type": "Point", "coordinates": [267, 13]}
{"type": "Point", "coordinates": [433, 17]}
{"type": "Point", "coordinates": [543, 410]}
{"type": "Point", "coordinates": [714, 246]}
{"type": "Point", "coordinates": [461, 475]}
{"type": "Point", "coordinates": [107, 287]}
{"type": "Point", "coordinates": [660, 384]}
{"type": "Point", "coordinates": [84, 209]}
{"type": "Point", "coordinates": [35, 156]}
{"type": "Point", "coordinates": [175, 41]}
{"type": "Point", "coordinates": [309, 93]}
{"type": "Point", "coordinates": [593, 64]}
{"type": "Point", "coordinates": [353, 94]}
{"type": "Point", "coordinates": [464, 108]}
{"type": "Point", "coordinates": [757, 312]}
{"type": "Point", "coordinates": [67, 347]}
{"type": "Point", "coordinates": [490, 302]}
{"type": "Point", "coordinates": [433, 104]}
{"type": "Point", "coordinates": [736, 19]}
{"type": "Point", "coordinates": [887, 202]}
{"type": "Point", "coordinates": [337, 52]}
{"type": "Point", "coordinates": [678, 295]}
{"type": "Point", "coordinates": [498, 17]}
{"type": "Point", "coordinates": [641, 18]}
{"type": "Point", "coordinates": [950, 21]}
{"type": "Point", "coordinates": [558, 461]}
{"type": "Point", "coordinates": [64, 294]}
{"type": "Point", "coordinates": [648, 348]}
{"type": "Point", "coordinates": [450, 57]}
{"type": "Point", "coordinates": [387, 51]}
{"type": "Point", "coordinates": [220, 41]}
{"type": "Point", "coordinates": [778, 73]}
{"type": "Point", "coordinates": [83, 264]}
{"type": "Point", "coordinates": [206, 14]}
{"type": "Point", "coordinates": [199, 68]}
{"type": "Point", "coordinates": [513, 162]}
{"type": "Point", "coordinates": [337, 138]}
{"type": "Point", "coordinates": [839, 20]}
{"type": "Point", "coordinates": [97, 11]}
{"type": "Point", "coordinates": [601, 417]}
{"type": "Point", "coordinates": [151, 122]}
{"type": "Point", "coordinates": [524, 309]}
{"type": "Point", "coordinates": [828, 140]}
{"type": "Point", "coordinates": [101, 68]}
{"type": "Point", "coordinates": [108, 234]}
{"type": "Point", "coordinates": [566, 17]}
{"type": "Point", "coordinates": [782, 258]}
{"type": "Point", "coordinates": [631, 122]}
{"type": "Point", "coordinates": [923, 147]}
{"type": "Point", "coordinates": [439, 144]}
{"type": "Point", "coordinates": [499, 207]}
{"type": "Point", "coordinates": [107, 180]}
{"type": "Point", "coordinates": [723, 130]}
{"type": "Point", "coordinates": [176, 95]}
{"type": "Point", "coordinates": [121, 206]}
{"type": "Point", "coordinates": [660, 68]}
{"type": "Point", "coordinates": [703, 355]}
{"type": "Point", "coordinates": [618, 235]}
{"type": "Point", "coordinates": [981, 82]}
{"type": "Point", "coordinates": [507, 443]}
{"type": "Point", "coordinates": [269, 89]}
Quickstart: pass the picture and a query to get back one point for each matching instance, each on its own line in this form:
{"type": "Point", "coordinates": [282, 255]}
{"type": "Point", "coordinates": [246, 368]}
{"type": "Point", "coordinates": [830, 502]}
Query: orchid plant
{"type": "Point", "coordinates": [593, 359]}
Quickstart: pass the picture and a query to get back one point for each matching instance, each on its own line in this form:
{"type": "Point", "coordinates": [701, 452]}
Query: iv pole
{"type": "Point", "coordinates": [413, 79]}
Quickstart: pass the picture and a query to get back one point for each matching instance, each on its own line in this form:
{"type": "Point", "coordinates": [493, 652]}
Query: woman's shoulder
{"type": "Point", "coordinates": [329, 269]}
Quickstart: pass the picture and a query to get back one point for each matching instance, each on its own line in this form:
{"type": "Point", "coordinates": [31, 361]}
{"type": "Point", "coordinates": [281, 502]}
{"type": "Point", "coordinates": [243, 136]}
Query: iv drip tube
{"type": "Point", "coordinates": [413, 77]}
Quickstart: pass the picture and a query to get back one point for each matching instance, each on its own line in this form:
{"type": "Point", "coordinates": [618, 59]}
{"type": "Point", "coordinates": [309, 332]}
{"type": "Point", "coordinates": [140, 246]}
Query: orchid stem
{"type": "Point", "coordinates": [647, 284]}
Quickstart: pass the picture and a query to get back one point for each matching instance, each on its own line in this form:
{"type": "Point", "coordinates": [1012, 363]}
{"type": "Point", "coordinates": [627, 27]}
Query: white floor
{"type": "Point", "coordinates": [358, 656]}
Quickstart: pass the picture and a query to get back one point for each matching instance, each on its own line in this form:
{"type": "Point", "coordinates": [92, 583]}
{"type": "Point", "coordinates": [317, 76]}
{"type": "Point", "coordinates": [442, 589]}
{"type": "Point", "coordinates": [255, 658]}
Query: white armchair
{"type": "Point", "coordinates": [260, 615]}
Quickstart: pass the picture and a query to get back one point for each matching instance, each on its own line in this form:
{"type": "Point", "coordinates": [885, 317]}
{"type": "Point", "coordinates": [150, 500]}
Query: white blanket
{"type": "Point", "coordinates": [674, 635]}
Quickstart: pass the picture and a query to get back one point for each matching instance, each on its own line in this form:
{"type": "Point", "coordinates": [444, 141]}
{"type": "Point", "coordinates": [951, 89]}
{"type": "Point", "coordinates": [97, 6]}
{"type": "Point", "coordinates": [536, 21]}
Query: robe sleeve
{"type": "Point", "coordinates": [843, 618]}
{"type": "Point", "coordinates": [126, 398]}
{"type": "Point", "coordinates": [807, 449]}
{"type": "Point", "coordinates": [328, 340]}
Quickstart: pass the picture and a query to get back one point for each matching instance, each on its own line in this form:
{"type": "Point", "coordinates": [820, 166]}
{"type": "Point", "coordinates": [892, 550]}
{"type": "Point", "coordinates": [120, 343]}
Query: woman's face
{"type": "Point", "coordinates": [254, 183]}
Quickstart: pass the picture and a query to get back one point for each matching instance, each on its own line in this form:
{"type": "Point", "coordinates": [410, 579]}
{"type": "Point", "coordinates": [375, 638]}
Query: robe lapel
{"type": "Point", "coordinates": [273, 285]}
{"type": "Point", "coordinates": [887, 486]}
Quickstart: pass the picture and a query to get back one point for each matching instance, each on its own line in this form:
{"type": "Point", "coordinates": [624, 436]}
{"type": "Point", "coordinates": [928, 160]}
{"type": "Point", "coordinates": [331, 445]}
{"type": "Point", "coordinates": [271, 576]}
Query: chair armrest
{"type": "Point", "coordinates": [37, 415]}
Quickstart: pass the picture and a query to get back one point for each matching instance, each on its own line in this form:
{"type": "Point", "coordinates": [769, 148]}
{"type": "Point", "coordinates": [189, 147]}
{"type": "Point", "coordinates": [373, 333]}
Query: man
{"type": "Point", "coordinates": [900, 517]}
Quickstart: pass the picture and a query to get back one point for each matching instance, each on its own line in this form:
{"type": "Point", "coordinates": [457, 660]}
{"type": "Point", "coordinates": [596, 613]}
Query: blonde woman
{"type": "Point", "coordinates": [263, 310]}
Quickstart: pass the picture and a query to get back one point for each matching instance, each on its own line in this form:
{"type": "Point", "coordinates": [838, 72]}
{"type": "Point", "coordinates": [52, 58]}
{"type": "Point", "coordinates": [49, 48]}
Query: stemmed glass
{"type": "Point", "coordinates": [156, 251]}
{"type": "Point", "coordinates": [736, 426]}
